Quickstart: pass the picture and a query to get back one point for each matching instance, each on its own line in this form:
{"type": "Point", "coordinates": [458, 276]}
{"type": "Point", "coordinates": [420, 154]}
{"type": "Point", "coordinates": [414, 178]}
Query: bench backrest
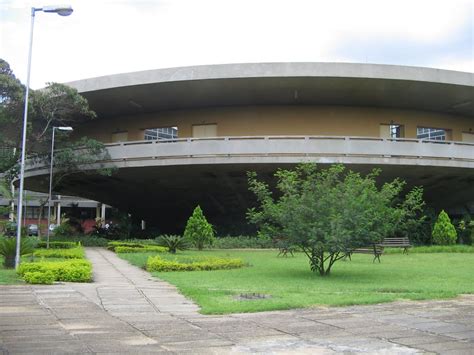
{"type": "Point", "coordinates": [396, 241]}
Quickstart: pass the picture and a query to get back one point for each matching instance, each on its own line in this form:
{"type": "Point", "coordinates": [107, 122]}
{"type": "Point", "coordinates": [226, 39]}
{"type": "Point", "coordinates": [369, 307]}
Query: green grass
{"type": "Point", "coordinates": [8, 276]}
{"type": "Point", "coordinates": [292, 285]}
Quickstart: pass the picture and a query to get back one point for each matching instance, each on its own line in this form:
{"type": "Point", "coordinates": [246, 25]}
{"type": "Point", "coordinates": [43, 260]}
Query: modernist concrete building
{"type": "Point", "coordinates": [185, 136]}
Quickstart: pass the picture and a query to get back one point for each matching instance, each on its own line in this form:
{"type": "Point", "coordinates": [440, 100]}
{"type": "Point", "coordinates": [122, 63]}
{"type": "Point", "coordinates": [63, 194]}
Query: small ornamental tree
{"type": "Point", "coordinates": [444, 232]}
{"type": "Point", "coordinates": [327, 213]}
{"type": "Point", "coordinates": [198, 230]}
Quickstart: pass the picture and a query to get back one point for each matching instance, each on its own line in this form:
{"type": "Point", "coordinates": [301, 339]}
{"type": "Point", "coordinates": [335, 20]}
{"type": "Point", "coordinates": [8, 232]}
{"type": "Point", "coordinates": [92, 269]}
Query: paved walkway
{"type": "Point", "coordinates": [127, 311]}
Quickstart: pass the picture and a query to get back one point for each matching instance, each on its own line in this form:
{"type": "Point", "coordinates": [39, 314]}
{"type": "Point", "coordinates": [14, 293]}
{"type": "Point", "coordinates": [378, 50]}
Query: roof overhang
{"type": "Point", "coordinates": [347, 84]}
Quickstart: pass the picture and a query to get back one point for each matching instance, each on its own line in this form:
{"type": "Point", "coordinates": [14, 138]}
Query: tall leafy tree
{"type": "Point", "coordinates": [55, 105]}
{"type": "Point", "coordinates": [327, 213]}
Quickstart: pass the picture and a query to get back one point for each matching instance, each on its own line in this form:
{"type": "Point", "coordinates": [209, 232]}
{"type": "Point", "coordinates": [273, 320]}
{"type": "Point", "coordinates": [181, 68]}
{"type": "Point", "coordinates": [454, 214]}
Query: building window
{"type": "Point", "coordinates": [434, 134]}
{"type": "Point", "coordinates": [392, 130]}
{"type": "Point", "coordinates": [396, 131]}
{"type": "Point", "coordinates": [152, 134]}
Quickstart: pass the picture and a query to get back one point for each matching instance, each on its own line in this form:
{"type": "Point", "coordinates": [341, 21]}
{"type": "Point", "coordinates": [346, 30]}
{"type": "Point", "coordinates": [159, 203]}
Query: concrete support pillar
{"type": "Point", "coordinates": [11, 215]}
{"type": "Point", "coordinates": [97, 211]}
{"type": "Point", "coordinates": [58, 213]}
{"type": "Point", "coordinates": [102, 214]}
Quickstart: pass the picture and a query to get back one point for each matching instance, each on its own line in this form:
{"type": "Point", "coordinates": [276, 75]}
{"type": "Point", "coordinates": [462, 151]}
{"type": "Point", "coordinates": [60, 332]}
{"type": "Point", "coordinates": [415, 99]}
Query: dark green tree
{"type": "Point", "coordinates": [198, 230]}
{"type": "Point", "coordinates": [327, 213]}
{"type": "Point", "coordinates": [444, 232]}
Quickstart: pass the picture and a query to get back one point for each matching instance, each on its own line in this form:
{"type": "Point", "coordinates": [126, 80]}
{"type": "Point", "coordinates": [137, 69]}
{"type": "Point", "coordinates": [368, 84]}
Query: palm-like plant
{"type": "Point", "coordinates": [8, 249]}
{"type": "Point", "coordinates": [173, 242]}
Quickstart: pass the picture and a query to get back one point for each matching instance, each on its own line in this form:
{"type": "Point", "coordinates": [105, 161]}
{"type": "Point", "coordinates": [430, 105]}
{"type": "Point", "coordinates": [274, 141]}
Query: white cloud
{"type": "Point", "coordinates": [105, 37]}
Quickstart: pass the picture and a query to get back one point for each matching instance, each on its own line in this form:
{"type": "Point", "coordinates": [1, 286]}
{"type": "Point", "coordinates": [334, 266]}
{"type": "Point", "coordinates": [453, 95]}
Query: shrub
{"type": "Point", "coordinates": [58, 245]}
{"type": "Point", "coordinates": [113, 245]}
{"type": "Point", "coordinates": [69, 270]}
{"type": "Point", "coordinates": [8, 249]}
{"type": "Point", "coordinates": [433, 249]}
{"type": "Point", "coordinates": [141, 249]}
{"type": "Point", "coordinates": [86, 240]}
{"type": "Point", "coordinates": [198, 230]}
{"type": "Point", "coordinates": [444, 232]}
{"type": "Point", "coordinates": [155, 263]}
{"type": "Point", "coordinates": [173, 242]}
{"type": "Point", "coordinates": [38, 277]}
{"type": "Point", "coordinates": [73, 253]}
{"type": "Point", "coordinates": [242, 242]}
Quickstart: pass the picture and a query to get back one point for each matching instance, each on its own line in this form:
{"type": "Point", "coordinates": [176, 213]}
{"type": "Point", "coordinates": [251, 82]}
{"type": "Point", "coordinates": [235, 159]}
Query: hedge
{"type": "Point", "coordinates": [68, 270]}
{"type": "Point", "coordinates": [58, 245]}
{"type": "Point", "coordinates": [155, 263]}
{"type": "Point", "coordinates": [38, 277]}
{"type": "Point", "coordinates": [433, 249]}
{"type": "Point", "coordinates": [73, 253]}
{"type": "Point", "coordinates": [141, 249]}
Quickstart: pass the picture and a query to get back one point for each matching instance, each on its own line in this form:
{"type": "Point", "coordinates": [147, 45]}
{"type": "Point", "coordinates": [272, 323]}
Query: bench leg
{"type": "Point", "coordinates": [377, 256]}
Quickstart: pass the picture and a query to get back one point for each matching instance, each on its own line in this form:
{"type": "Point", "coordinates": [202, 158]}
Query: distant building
{"type": "Point", "coordinates": [186, 136]}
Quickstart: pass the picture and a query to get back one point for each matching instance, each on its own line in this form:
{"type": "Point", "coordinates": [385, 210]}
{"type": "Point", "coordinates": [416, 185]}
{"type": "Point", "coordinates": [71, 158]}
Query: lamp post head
{"type": "Point", "coordinates": [62, 10]}
{"type": "Point", "coordinates": [67, 129]}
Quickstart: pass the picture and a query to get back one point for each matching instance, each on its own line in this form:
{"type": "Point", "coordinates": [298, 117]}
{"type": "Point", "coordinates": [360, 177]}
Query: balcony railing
{"type": "Point", "coordinates": [286, 149]}
{"type": "Point", "coordinates": [292, 145]}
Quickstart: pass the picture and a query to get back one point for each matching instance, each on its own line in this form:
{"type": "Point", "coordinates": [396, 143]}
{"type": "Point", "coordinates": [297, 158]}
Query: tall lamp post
{"type": "Point", "coordinates": [51, 165]}
{"type": "Point", "coordinates": [62, 11]}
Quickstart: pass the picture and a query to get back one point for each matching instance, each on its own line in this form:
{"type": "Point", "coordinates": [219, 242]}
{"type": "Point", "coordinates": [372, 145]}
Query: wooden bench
{"type": "Point", "coordinates": [402, 242]}
{"type": "Point", "coordinates": [376, 250]}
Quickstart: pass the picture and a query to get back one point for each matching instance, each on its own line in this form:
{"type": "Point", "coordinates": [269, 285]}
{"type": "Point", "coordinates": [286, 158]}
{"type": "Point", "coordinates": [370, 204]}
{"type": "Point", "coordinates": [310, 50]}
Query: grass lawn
{"type": "Point", "coordinates": [8, 276]}
{"type": "Point", "coordinates": [291, 284]}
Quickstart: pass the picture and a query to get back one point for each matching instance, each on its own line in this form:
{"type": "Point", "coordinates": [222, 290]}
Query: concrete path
{"type": "Point", "coordinates": [127, 311]}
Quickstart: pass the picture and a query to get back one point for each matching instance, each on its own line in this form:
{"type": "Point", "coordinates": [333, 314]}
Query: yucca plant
{"type": "Point", "coordinates": [173, 242]}
{"type": "Point", "coordinates": [8, 249]}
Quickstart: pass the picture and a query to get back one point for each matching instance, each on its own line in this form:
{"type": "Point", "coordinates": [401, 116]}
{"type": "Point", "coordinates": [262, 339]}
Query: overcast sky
{"type": "Point", "coordinates": [105, 37]}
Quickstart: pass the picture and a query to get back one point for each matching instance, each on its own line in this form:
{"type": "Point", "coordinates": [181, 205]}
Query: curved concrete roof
{"type": "Point", "coordinates": [281, 84]}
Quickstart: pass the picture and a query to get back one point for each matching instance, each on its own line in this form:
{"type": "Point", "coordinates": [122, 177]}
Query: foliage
{"type": "Point", "coordinates": [64, 229]}
{"type": "Point", "coordinates": [290, 285]}
{"type": "Point", "coordinates": [415, 218]}
{"type": "Point", "coordinates": [444, 232]}
{"type": "Point", "coordinates": [69, 270]}
{"type": "Point", "coordinates": [465, 230]}
{"type": "Point", "coordinates": [156, 263]}
{"type": "Point", "coordinates": [55, 105]}
{"type": "Point", "coordinates": [112, 245]}
{"type": "Point", "coordinates": [198, 230]}
{"type": "Point", "coordinates": [173, 242]}
{"type": "Point", "coordinates": [71, 253]}
{"type": "Point", "coordinates": [141, 249]}
{"type": "Point", "coordinates": [85, 240]}
{"type": "Point", "coordinates": [434, 249]}
{"type": "Point", "coordinates": [58, 245]}
{"type": "Point", "coordinates": [328, 212]}
{"type": "Point", "coordinates": [38, 277]}
{"type": "Point", "coordinates": [243, 242]}
{"type": "Point", "coordinates": [8, 249]}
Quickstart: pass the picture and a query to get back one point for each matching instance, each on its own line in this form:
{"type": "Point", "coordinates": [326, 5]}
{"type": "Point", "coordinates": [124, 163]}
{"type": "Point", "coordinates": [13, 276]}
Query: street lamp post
{"type": "Point", "coordinates": [51, 178]}
{"type": "Point", "coordinates": [62, 11]}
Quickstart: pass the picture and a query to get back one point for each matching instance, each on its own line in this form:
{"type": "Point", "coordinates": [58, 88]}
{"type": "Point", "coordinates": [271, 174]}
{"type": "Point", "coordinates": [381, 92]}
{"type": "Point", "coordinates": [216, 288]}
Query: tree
{"type": "Point", "coordinates": [55, 105]}
{"type": "Point", "coordinates": [444, 232]}
{"type": "Point", "coordinates": [327, 213]}
{"type": "Point", "coordinates": [198, 230]}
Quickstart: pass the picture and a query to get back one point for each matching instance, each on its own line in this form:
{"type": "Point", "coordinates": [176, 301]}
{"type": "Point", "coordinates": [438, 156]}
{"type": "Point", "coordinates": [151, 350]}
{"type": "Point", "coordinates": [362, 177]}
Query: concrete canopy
{"type": "Point", "coordinates": [345, 84]}
{"type": "Point", "coordinates": [163, 182]}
